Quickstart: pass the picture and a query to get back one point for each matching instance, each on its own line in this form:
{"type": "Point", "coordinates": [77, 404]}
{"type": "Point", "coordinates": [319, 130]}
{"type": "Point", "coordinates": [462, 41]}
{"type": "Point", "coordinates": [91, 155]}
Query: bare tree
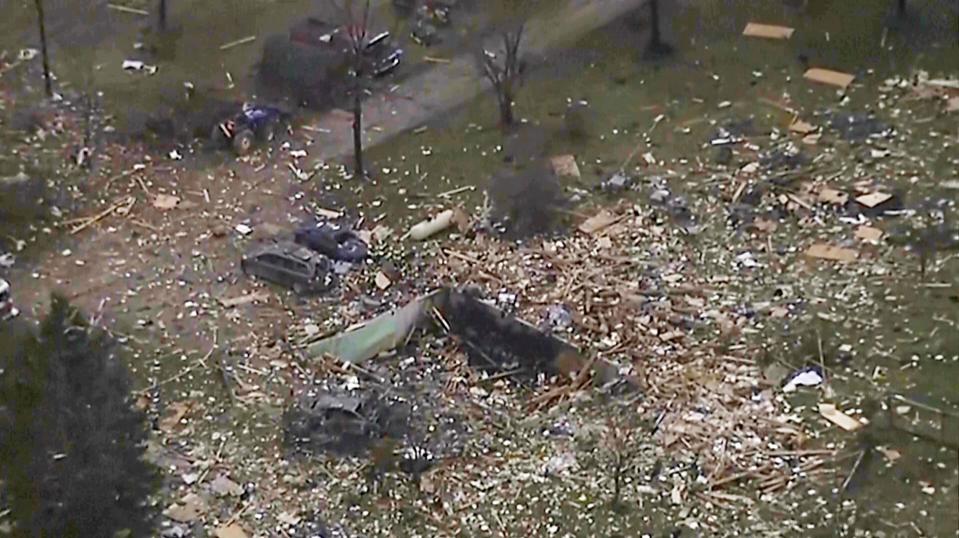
{"type": "Point", "coordinates": [355, 17]}
{"type": "Point", "coordinates": [621, 452]}
{"type": "Point", "coordinates": [503, 72]}
{"type": "Point", "coordinates": [616, 447]}
{"type": "Point", "coordinates": [503, 67]}
{"type": "Point", "coordinates": [41, 22]}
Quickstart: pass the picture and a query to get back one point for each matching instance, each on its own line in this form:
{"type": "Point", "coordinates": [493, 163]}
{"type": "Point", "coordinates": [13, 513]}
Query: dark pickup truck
{"type": "Point", "coordinates": [312, 62]}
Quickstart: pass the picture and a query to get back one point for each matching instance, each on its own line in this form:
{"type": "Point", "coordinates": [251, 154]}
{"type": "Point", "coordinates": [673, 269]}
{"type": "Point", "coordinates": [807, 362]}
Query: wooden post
{"type": "Point", "coordinates": [43, 47]}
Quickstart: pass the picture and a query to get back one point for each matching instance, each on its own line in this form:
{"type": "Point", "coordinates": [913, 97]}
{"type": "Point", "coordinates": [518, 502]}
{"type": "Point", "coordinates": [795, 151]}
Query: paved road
{"type": "Point", "coordinates": [448, 86]}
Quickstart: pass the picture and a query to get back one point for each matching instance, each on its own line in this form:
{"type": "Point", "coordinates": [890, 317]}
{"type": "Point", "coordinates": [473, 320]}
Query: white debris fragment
{"type": "Point", "coordinates": [805, 378]}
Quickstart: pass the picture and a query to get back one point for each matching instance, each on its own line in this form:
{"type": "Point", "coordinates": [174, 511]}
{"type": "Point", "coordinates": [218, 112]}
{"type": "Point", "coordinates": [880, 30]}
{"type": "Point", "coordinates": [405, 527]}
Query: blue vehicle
{"type": "Point", "coordinates": [332, 241]}
{"type": "Point", "coordinates": [253, 123]}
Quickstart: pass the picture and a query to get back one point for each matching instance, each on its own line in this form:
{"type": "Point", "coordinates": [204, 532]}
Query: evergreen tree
{"type": "Point", "coordinates": [71, 444]}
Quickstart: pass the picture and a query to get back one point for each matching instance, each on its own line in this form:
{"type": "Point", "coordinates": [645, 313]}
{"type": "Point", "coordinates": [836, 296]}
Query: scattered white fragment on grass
{"type": "Point", "coordinates": [805, 378]}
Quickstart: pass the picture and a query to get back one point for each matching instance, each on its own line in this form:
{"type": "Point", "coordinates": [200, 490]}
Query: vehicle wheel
{"type": "Point", "coordinates": [218, 138]}
{"type": "Point", "coordinates": [266, 132]}
{"type": "Point", "coordinates": [243, 142]}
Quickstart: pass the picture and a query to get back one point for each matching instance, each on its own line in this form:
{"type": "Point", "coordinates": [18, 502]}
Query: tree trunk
{"type": "Point", "coordinates": [358, 131]}
{"type": "Point", "coordinates": [506, 112]}
{"type": "Point", "coordinates": [656, 39]}
{"type": "Point", "coordinates": [504, 96]}
{"type": "Point", "coordinates": [43, 47]}
{"type": "Point", "coordinates": [902, 7]}
{"type": "Point", "coordinates": [161, 16]}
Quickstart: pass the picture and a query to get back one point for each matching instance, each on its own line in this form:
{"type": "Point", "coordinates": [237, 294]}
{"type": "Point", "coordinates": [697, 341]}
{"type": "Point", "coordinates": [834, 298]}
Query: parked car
{"type": "Point", "coordinates": [332, 241]}
{"type": "Point", "coordinates": [380, 53]}
{"type": "Point", "coordinates": [7, 310]}
{"type": "Point", "coordinates": [252, 123]}
{"type": "Point", "coordinates": [311, 63]}
{"type": "Point", "coordinates": [291, 266]}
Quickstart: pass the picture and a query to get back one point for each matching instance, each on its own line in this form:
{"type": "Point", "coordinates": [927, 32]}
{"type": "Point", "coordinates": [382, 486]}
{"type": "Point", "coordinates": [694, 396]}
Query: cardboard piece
{"type": "Point", "coordinates": [165, 201]}
{"type": "Point", "coordinates": [823, 251]}
{"type": "Point", "coordinates": [868, 234]}
{"type": "Point", "coordinates": [768, 31]}
{"type": "Point", "coordinates": [565, 165]}
{"type": "Point", "coordinates": [873, 199]}
{"type": "Point", "coordinates": [189, 509]}
{"type": "Point", "coordinates": [828, 76]}
{"type": "Point", "coordinates": [382, 281]}
{"type": "Point", "coordinates": [598, 222]}
{"type": "Point", "coordinates": [231, 531]}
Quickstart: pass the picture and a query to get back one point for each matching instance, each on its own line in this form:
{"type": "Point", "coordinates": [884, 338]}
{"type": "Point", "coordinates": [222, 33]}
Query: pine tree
{"type": "Point", "coordinates": [71, 444]}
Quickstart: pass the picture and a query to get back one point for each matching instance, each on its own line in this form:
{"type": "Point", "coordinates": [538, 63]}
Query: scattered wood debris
{"type": "Point", "coordinates": [830, 252]}
{"type": "Point", "coordinates": [767, 31]}
{"type": "Point", "coordinates": [599, 222]}
{"type": "Point", "coordinates": [837, 417]}
{"type": "Point", "coordinates": [868, 234]}
{"type": "Point", "coordinates": [830, 77]}
{"type": "Point", "coordinates": [244, 299]}
{"type": "Point", "coordinates": [565, 165]}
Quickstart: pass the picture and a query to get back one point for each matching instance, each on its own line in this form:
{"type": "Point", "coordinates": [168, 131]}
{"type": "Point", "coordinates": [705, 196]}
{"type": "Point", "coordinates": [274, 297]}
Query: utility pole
{"type": "Point", "coordinates": [656, 39]}
{"type": "Point", "coordinates": [43, 48]}
{"type": "Point", "coordinates": [162, 16]}
{"type": "Point", "coordinates": [656, 45]}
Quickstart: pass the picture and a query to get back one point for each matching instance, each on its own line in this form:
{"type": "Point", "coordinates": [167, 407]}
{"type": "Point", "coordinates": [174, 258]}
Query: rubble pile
{"type": "Point", "coordinates": [637, 303]}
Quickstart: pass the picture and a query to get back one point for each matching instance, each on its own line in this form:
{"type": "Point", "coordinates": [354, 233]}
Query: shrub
{"type": "Point", "coordinates": [528, 197]}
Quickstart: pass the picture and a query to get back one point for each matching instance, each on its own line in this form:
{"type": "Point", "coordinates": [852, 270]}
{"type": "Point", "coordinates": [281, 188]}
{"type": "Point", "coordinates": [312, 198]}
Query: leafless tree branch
{"type": "Point", "coordinates": [504, 71]}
